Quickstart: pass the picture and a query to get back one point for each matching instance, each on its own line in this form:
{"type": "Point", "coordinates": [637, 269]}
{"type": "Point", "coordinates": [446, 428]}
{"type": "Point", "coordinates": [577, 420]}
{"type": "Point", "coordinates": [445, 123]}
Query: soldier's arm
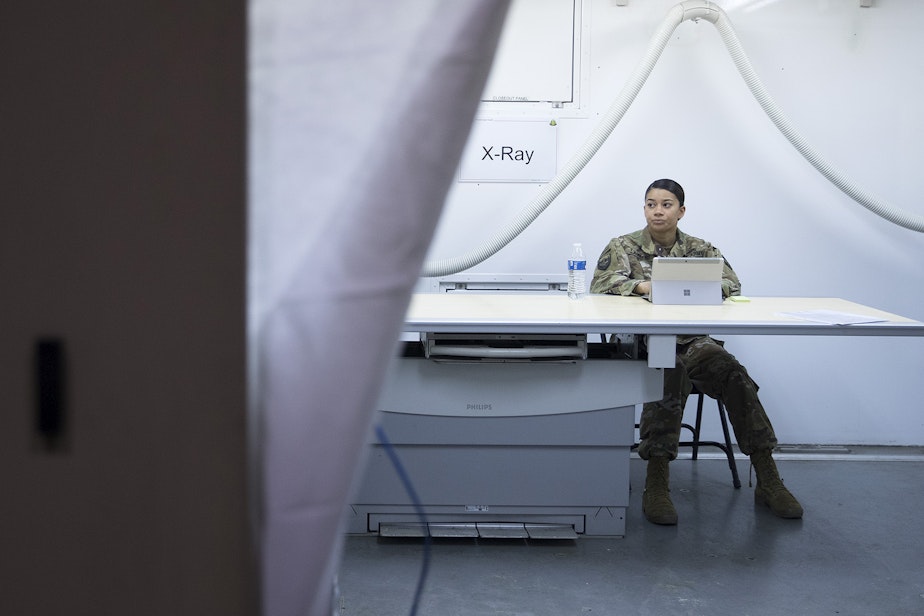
{"type": "Point", "coordinates": [730, 283]}
{"type": "Point", "coordinates": [613, 273]}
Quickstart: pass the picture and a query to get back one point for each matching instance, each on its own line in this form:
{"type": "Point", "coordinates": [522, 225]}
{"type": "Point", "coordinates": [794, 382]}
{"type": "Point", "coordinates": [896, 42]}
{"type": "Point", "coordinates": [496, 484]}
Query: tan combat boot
{"type": "Point", "coordinates": [770, 489]}
{"type": "Point", "coordinates": [656, 500]}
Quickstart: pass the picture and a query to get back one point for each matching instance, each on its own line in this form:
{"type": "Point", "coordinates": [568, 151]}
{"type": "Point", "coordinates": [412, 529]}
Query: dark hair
{"type": "Point", "coordinates": [668, 185]}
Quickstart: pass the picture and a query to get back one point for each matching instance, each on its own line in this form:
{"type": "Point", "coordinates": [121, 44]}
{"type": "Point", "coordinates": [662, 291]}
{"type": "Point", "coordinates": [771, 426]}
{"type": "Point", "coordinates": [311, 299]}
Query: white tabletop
{"type": "Point", "coordinates": [554, 313]}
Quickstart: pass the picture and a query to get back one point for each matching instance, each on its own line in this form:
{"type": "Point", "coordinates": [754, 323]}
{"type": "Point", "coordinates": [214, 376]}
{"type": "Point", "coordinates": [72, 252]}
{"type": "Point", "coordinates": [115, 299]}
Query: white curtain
{"type": "Point", "coordinates": [358, 114]}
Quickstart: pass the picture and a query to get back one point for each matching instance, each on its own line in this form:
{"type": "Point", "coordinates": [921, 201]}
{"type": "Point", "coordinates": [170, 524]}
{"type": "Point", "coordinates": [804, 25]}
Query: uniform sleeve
{"type": "Point", "coordinates": [614, 273]}
{"type": "Point", "coordinates": [730, 284]}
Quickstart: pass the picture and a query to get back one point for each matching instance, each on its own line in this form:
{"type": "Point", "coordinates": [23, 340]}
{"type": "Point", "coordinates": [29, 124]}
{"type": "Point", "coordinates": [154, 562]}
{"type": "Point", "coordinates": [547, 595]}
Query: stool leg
{"type": "Point", "coordinates": [731, 456]}
{"type": "Point", "coordinates": [699, 423]}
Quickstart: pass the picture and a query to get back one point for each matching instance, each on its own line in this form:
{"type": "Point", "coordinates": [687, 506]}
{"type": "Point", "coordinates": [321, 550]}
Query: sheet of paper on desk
{"type": "Point", "coordinates": [832, 317]}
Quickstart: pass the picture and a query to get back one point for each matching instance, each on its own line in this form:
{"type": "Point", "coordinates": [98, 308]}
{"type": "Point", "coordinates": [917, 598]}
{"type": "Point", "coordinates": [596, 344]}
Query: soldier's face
{"type": "Point", "coordinates": [662, 211]}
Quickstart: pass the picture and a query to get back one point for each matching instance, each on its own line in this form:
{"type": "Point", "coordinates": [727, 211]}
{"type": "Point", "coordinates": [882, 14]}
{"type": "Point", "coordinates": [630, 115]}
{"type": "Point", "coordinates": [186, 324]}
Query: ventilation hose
{"type": "Point", "coordinates": [692, 9]}
{"type": "Point", "coordinates": [850, 188]}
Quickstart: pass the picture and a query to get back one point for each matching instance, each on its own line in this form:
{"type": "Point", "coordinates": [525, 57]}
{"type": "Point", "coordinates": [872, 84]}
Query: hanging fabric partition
{"type": "Point", "coordinates": [358, 115]}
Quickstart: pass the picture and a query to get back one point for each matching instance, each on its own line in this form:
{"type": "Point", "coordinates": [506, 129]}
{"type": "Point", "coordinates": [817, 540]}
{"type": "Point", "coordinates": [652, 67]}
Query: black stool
{"type": "Point", "coordinates": [695, 441]}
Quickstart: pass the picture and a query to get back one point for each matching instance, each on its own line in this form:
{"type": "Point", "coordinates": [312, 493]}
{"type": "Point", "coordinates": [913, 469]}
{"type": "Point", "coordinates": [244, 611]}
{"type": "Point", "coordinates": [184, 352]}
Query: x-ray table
{"type": "Point", "coordinates": [499, 447]}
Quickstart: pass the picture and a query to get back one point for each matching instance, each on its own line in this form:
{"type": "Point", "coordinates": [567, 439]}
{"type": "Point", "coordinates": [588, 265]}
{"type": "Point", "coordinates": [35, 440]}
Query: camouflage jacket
{"type": "Point", "coordinates": [626, 261]}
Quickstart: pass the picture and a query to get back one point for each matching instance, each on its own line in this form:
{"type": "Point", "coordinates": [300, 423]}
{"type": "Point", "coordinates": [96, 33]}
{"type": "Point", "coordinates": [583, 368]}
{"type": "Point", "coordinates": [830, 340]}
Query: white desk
{"type": "Point", "coordinates": [448, 312]}
{"type": "Point", "coordinates": [612, 314]}
{"type": "Point", "coordinates": [545, 443]}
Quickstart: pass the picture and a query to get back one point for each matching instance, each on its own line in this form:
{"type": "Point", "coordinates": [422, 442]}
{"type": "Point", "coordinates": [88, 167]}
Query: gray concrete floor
{"type": "Point", "coordinates": [858, 551]}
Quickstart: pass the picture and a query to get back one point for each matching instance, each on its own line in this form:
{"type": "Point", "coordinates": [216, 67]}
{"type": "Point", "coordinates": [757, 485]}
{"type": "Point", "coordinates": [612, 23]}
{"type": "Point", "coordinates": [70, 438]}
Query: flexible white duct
{"type": "Point", "coordinates": [692, 9]}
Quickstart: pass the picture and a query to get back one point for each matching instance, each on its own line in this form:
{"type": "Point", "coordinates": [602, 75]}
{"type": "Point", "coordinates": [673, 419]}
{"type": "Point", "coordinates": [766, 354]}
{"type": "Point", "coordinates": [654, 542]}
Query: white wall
{"type": "Point", "coordinates": [850, 79]}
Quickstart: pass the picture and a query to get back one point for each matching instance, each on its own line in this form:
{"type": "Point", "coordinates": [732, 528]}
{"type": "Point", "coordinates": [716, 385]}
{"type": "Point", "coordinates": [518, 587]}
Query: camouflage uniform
{"type": "Point", "coordinates": [625, 262]}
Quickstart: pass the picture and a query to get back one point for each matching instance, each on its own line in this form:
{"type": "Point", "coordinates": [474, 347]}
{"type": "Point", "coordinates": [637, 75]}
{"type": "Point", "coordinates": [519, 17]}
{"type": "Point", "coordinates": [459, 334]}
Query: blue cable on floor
{"type": "Point", "coordinates": [418, 507]}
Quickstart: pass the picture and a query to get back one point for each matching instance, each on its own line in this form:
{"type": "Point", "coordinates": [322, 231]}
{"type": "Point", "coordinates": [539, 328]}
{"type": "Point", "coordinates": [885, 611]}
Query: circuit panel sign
{"type": "Point", "coordinates": [510, 151]}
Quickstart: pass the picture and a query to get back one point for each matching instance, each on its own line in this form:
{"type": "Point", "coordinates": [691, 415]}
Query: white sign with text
{"type": "Point", "coordinates": [510, 151]}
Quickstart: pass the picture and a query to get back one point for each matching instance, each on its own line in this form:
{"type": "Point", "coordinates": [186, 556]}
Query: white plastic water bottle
{"type": "Point", "coordinates": [577, 273]}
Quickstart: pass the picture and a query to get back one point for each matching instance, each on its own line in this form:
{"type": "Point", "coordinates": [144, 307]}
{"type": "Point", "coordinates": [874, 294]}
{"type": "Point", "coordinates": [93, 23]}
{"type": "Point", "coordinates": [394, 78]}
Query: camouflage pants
{"type": "Point", "coordinates": [718, 374]}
